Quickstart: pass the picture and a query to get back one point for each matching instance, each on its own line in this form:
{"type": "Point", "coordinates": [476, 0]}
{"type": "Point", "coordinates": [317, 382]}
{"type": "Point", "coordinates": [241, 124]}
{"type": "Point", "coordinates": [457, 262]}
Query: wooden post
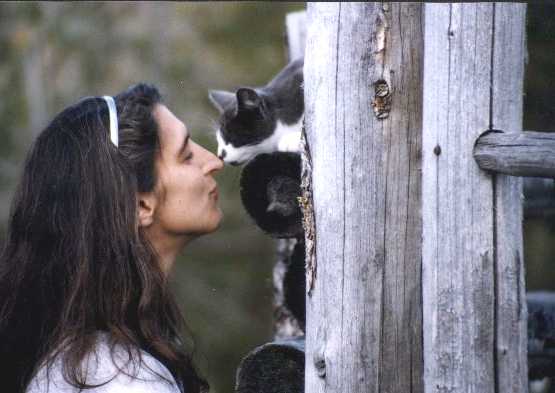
{"type": "Point", "coordinates": [363, 119]}
{"type": "Point", "coordinates": [474, 304]}
{"type": "Point", "coordinates": [507, 77]}
{"type": "Point", "coordinates": [396, 96]}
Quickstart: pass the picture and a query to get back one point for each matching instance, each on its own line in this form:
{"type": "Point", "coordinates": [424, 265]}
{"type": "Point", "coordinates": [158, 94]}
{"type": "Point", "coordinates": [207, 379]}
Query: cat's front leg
{"type": "Point", "coordinates": [290, 142]}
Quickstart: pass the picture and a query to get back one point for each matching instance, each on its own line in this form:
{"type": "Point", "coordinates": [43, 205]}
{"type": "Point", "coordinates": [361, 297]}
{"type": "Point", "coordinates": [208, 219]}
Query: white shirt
{"type": "Point", "coordinates": [100, 368]}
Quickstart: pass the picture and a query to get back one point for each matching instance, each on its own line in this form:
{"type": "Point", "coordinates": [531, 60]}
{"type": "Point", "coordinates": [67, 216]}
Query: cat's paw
{"type": "Point", "coordinates": [290, 143]}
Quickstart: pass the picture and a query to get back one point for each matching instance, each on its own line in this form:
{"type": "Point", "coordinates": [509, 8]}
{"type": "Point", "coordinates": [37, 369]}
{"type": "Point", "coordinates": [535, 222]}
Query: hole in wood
{"type": "Point", "coordinates": [382, 99]}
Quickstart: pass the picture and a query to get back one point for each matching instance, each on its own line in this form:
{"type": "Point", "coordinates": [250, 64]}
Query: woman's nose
{"type": "Point", "coordinates": [213, 163]}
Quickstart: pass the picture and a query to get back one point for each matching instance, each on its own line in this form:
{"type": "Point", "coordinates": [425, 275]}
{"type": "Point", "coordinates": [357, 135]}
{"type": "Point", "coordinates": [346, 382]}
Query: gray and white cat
{"type": "Point", "coordinates": [262, 119]}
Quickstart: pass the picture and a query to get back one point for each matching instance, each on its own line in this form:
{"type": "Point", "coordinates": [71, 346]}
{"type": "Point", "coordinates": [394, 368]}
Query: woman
{"type": "Point", "coordinates": [109, 197]}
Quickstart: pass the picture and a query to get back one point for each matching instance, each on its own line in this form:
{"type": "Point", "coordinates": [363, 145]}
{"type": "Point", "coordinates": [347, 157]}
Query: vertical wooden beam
{"type": "Point", "coordinates": [509, 50]}
{"type": "Point", "coordinates": [474, 310]}
{"type": "Point", "coordinates": [295, 23]}
{"type": "Point", "coordinates": [458, 249]}
{"type": "Point", "coordinates": [363, 120]}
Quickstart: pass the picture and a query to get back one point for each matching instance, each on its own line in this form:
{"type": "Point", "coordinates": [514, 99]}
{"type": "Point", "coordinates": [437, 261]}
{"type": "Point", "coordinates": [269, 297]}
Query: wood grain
{"type": "Point", "coordinates": [474, 331]}
{"type": "Point", "coordinates": [528, 154]}
{"type": "Point", "coordinates": [363, 121]}
{"type": "Point", "coordinates": [506, 113]}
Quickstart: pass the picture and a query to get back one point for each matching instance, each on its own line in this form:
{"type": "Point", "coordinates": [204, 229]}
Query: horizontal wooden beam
{"type": "Point", "coordinates": [526, 154]}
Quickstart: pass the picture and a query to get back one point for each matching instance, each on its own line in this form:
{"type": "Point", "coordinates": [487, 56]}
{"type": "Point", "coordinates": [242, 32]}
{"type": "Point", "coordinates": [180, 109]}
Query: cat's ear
{"type": "Point", "coordinates": [247, 98]}
{"type": "Point", "coordinates": [221, 99]}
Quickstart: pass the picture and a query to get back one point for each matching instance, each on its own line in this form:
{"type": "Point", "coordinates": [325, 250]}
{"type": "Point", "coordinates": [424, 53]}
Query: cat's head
{"type": "Point", "coordinates": [246, 122]}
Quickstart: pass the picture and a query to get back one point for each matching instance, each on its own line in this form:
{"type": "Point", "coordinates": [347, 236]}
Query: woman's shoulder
{"type": "Point", "coordinates": [112, 367]}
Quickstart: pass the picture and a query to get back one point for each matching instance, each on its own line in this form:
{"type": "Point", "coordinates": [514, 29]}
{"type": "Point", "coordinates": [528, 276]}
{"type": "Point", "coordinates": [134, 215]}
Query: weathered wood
{"type": "Point", "coordinates": [295, 23]}
{"type": "Point", "coordinates": [530, 154]}
{"type": "Point", "coordinates": [276, 367]}
{"type": "Point", "coordinates": [541, 350]}
{"type": "Point", "coordinates": [523, 154]}
{"type": "Point", "coordinates": [474, 310]}
{"type": "Point", "coordinates": [363, 123]}
{"type": "Point", "coordinates": [507, 78]}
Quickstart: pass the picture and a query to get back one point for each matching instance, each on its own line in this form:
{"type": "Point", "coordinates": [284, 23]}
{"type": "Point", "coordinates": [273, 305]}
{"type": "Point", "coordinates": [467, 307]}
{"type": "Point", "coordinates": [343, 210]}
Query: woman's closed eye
{"type": "Point", "coordinates": [188, 151]}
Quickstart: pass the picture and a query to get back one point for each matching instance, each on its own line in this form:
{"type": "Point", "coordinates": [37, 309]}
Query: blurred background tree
{"type": "Point", "coordinates": [55, 53]}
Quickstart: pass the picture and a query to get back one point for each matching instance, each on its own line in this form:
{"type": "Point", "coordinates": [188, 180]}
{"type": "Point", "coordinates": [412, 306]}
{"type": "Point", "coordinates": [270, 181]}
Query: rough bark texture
{"type": "Point", "coordinates": [474, 309]}
{"type": "Point", "coordinates": [363, 122]}
{"type": "Point", "coordinates": [529, 154]}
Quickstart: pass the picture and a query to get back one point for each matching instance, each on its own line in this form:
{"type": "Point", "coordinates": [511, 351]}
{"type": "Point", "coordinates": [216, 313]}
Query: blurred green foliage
{"type": "Point", "coordinates": [54, 53]}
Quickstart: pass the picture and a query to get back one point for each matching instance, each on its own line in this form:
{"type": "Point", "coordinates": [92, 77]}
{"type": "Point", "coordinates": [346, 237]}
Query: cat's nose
{"type": "Point", "coordinates": [222, 154]}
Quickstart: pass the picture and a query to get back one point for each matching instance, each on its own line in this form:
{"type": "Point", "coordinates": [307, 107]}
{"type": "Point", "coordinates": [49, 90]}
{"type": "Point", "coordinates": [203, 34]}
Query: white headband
{"type": "Point", "coordinates": [113, 119]}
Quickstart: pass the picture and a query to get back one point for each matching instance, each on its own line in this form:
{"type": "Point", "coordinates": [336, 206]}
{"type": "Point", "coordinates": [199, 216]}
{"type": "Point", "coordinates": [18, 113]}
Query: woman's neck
{"type": "Point", "coordinates": [167, 246]}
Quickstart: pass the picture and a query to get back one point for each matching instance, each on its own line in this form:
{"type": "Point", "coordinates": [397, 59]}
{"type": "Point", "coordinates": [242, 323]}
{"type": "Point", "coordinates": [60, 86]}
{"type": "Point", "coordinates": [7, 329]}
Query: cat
{"type": "Point", "coordinates": [263, 119]}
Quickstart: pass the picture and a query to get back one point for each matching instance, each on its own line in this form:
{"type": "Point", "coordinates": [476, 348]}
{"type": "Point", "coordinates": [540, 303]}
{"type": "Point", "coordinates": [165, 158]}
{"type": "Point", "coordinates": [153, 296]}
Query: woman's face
{"type": "Point", "coordinates": [186, 192]}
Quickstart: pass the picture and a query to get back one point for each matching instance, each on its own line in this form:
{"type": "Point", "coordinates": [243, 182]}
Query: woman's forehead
{"type": "Point", "coordinates": [172, 131]}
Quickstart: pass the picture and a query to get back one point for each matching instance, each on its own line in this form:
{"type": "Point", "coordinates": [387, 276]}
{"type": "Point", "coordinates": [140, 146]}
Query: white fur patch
{"type": "Point", "coordinates": [285, 138]}
{"type": "Point", "coordinates": [290, 142]}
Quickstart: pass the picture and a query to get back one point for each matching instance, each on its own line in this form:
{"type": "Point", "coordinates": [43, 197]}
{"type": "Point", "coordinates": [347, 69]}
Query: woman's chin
{"type": "Point", "coordinates": [211, 223]}
{"type": "Point", "coordinates": [214, 223]}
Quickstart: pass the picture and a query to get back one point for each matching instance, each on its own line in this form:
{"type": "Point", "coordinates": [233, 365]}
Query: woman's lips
{"type": "Point", "coordinates": [214, 193]}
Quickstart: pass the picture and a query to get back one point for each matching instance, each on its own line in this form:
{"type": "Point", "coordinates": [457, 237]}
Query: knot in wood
{"type": "Point", "coordinates": [382, 99]}
{"type": "Point", "coordinates": [320, 365]}
{"type": "Point", "coordinates": [320, 361]}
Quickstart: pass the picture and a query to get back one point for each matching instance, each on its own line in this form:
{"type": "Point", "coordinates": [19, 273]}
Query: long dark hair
{"type": "Point", "coordinates": [75, 262]}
